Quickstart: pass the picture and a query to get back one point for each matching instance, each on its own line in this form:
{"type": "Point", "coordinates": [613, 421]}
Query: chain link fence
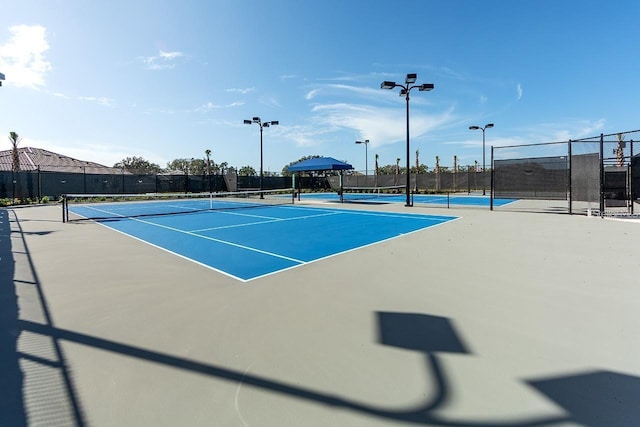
{"type": "Point", "coordinates": [594, 176]}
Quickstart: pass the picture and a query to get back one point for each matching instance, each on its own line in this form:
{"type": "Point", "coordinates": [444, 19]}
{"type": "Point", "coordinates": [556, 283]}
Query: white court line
{"type": "Point", "coordinates": [443, 218]}
{"type": "Point", "coordinates": [265, 222]}
{"type": "Point", "coordinates": [249, 248]}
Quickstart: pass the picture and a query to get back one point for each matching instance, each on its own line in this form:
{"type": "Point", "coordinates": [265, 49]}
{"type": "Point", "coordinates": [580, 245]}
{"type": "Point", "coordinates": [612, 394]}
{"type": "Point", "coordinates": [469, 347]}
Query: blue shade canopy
{"type": "Point", "coordinates": [319, 164]}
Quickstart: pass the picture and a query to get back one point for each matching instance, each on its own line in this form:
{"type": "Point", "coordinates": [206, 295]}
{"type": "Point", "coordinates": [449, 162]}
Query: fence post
{"type": "Point", "coordinates": [601, 175]}
{"type": "Point", "coordinates": [491, 189]}
{"type": "Point", "coordinates": [569, 180]}
{"type": "Point", "coordinates": [631, 190]}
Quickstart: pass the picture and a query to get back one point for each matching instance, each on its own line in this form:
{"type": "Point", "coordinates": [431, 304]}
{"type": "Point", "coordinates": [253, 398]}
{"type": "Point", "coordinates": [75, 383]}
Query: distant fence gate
{"type": "Point", "coordinates": [598, 175]}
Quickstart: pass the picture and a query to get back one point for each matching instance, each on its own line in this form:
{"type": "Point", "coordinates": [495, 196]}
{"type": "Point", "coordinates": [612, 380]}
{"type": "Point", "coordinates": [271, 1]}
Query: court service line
{"type": "Point", "coordinates": [265, 222]}
{"type": "Point", "coordinates": [418, 216]}
{"type": "Point", "coordinates": [249, 248]}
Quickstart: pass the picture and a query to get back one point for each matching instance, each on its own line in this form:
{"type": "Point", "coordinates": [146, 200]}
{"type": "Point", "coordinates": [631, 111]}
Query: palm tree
{"type": "Point", "coordinates": [377, 168]}
{"type": "Point", "coordinates": [208, 153]}
{"type": "Point", "coordinates": [417, 169]}
{"type": "Point", "coordinates": [620, 151]}
{"type": "Point", "coordinates": [223, 166]}
{"type": "Point", "coordinates": [437, 173]}
{"type": "Point", "coordinates": [15, 139]}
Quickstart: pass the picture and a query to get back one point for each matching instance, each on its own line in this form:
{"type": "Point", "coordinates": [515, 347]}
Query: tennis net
{"type": "Point", "coordinates": [113, 206]}
{"type": "Point", "coordinates": [371, 193]}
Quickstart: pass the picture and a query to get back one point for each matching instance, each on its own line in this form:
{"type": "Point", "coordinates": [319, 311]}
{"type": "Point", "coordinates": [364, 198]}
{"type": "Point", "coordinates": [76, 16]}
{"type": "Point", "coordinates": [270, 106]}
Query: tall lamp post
{"type": "Point", "coordinates": [1, 78]}
{"type": "Point", "coordinates": [262, 125]}
{"type": "Point", "coordinates": [366, 156]}
{"type": "Point", "coordinates": [404, 90]}
{"type": "Point", "coordinates": [487, 126]}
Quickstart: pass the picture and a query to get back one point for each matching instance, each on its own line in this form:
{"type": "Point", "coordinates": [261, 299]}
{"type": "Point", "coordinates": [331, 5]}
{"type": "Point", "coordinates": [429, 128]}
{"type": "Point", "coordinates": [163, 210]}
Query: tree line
{"type": "Point", "coordinates": [206, 166]}
{"type": "Point", "coordinates": [186, 166]}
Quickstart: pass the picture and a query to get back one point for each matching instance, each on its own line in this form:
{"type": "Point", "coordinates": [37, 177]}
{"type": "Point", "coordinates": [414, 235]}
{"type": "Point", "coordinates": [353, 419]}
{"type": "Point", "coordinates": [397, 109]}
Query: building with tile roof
{"type": "Point", "coordinates": [33, 159]}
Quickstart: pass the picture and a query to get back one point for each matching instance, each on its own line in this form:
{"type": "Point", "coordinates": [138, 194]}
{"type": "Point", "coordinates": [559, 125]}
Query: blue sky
{"type": "Point", "coordinates": [102, 81]}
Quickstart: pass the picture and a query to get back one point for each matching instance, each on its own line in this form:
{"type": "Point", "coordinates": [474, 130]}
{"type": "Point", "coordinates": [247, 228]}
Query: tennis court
{"type": "Point", "coordinates": [247, 237]}
{"type": "Point", "coordinates": [494, 319]}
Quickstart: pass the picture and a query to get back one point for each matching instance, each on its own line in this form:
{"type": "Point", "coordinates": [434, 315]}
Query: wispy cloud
{"type": "Point", "coordinates": [242, 91]}
{"type": "Point", "coordinates": [211, 106]}
{"type": "Point", "coordinates": [519, 90]}
{"type": "Point", "coordinates": [335, 89]}
{"type": "Point", "coordinates": [357, 90]}
{"type": "Point", "coordinates": [202, 109]}
{"type": "Point", "coordinates": [572, 129]}
{"type": "Point", "coordinates": [362, 115]}
{"type": "Point", "coordinates": [381, 126]}
{"type": "Point", "coordinates": [22, 58]}
{"type": "Point", "coordinates": [288, 76]}
{"type": "Point", "coordinates": [163, 61]}
{"type": "Point", "coordinates": [270, 101]}
{"type": "Point", "coordinates": [311, 94]}
{"type": "Point", "coordinates": [107, 102]}
{"type": "Point", "coordinates": [306, 136]}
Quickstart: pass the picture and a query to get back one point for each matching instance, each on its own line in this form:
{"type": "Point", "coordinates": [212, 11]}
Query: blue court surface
{"type": "Point", "coordinates": [254, 242]}
{"type": "Point", "coordinates": [418, 199]}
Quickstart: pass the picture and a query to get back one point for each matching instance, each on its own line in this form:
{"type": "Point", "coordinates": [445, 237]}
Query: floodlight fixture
{"type": "Point", "coordinates": [487, 126]}
{"type": "Point", "coordinates": [262, 125]}
{"type": "Point", "coordinates": [366, 156]}
{"type": "Point", "coordinates": [404, 91]}
{"type": "Point", "coordinates": [1, 78]}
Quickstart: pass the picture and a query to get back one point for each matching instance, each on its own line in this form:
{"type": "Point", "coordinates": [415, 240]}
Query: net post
{"type": "Point", "coordinates": [65, 213]}
{"type": "Point", "coordinates": [293, 188]}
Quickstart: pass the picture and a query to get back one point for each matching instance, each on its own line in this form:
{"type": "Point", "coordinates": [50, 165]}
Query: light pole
{"type": "Point", "coordinates": [366, 156]}
{"type": "Point", "coordinates": [405, 89]}
{"type": "Point", "coordinates": [1, 78]}
{"type": "Point", "coordinates": [262, 125]}
{"type": "Point", "coordinates": [487, 126]}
